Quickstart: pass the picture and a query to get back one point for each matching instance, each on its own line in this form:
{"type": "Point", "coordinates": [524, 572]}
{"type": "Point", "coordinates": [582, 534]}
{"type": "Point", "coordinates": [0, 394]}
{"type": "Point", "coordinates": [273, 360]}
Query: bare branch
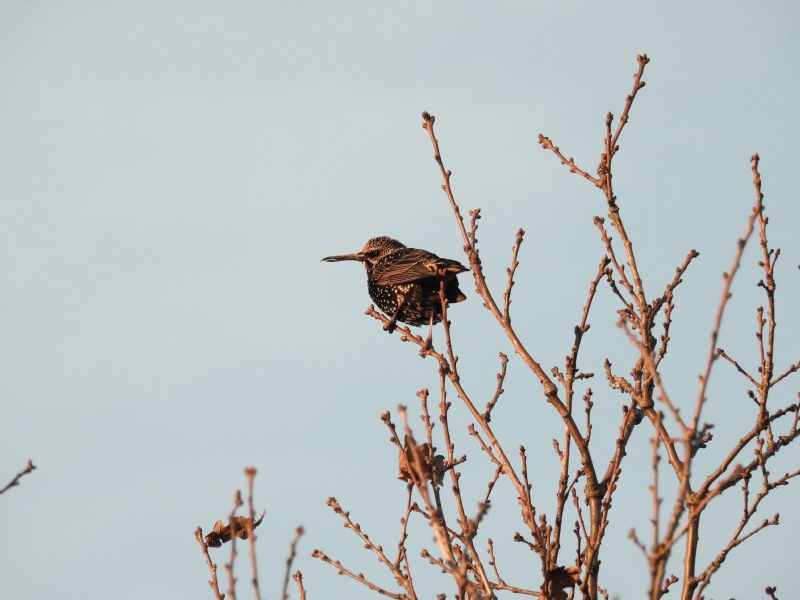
{"type": "Point", "coordinates": [298, 533]}
{"type": "Point", "coordinates": [501, 376]}
{"type": "Point", "coordinates": [723, 354]}
{"type": "Point", "coordinates": [547, 144]}
{"type": "Point", "coordinates": [792, 369]}
{"type": "Point", "coordinates": [213, 583]}
{"type": "Point", "coordinates": [29, 468]}
{"type": "Point", "coordinates": [298, 577]}
{"type": "Point", "coordinates": [250, 473]}
{"type": "Point", "coordinates": [510, 272]}
{"type": "Point", "coordinates": [342, 570]}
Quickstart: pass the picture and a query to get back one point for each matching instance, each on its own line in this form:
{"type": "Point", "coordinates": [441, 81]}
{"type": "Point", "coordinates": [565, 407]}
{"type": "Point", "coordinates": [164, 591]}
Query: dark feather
{"type": "Point", "coordinates": [411, 264]}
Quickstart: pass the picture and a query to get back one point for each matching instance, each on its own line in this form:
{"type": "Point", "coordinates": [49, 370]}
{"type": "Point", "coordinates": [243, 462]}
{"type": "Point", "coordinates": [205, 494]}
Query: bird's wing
{"type": "Point", "coordinates": [413, 265]}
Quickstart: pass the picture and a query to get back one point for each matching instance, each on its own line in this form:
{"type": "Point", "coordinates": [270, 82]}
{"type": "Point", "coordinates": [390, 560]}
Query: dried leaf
{"type": "Point", "coordinates": [422, 455]}
{"type": "Point", "coordinates": [562, 579]}
{"type": "Point", "coordinates": [237, 526]}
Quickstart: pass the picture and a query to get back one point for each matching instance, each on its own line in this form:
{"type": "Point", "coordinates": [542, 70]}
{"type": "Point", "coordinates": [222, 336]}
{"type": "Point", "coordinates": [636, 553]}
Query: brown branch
{"type": "Point", "coordinates": [540, 535]}
{"type": "Point", "coordinates": [618, 382]}
{"type": "Point", "coordinates": [571, 373]}
{"type": "Point", "coordinates": [792, 369]}
{"type": "Point", "coordinates": [490, 486]}
{"type": "Point", "coordinates": [421, 469]}
{"type": "Point", "coordinates": [697, 502]}
{"type": "Point", "coordinates": [638, 84]}
{"type": "Point", "coordinates": [298, 577]}
{"type": "Point", "coordinates": [510, 272]}
{"type": "Point", "coordinates": [550, 389]}
{"type": "Point", "coordinates": [723, 354]}
{"type": "Point", "coordinates": [484, 446]}
{"type": "Point", "coordinates": [666, 299]}
{"type": "Point", "coordinates": [668, 581]}
{"type": "Point", "coordinates": [588, 404]}
{"type": "Point", "coordinates": [635, 539]}
{"type": "Point", "coordinates": [604, 171]}
{"type": "Point", "coordinates": [501, 583]}
{"type": "Point", "coordinates": [769, 259]}
{"type": "Point", "coordinates": [742, 471]}
{"type": "Point", "coordinates": [725, 296]}
{"type": "Point", "coordinates": [630, 418]}
{"type": "Point", "coordinates": [213, 583]}
{"type": "Point", "coordinates": [487, 412]}
{"type": "Point", "coordinates": [655, 574]}
{"type": "Point", "coordinates": [29, 468]}
{"type": "Point", "coordinates": [250, 473]}
{"type": "Point", "coordinates": [580, 517]}
{"type": "Point", "coordinates": [368, 544]}
{"type": "Point", "coordinates": [655, 417]}
{"type": "Point", "coordinates": [748, 512]}
{"type": "Point", "coordinates": [232, 522]}
{"type": "Point", "coordinates": [620, 269]}
{"type": "Point", "coordinates": [469, 528]}
{"type": "Point", "coordinates": [547, 144]}
{"type": "Point", "coordinates": [401, 545]}
{"type": "Point", "coordinates": [298, 533]}
{"type": "Point", "coordinates": [706, 492]}
{"type": "Point", "coordinates": [426, 349]}
{"type": "Point", "coordinates": [342, 570]}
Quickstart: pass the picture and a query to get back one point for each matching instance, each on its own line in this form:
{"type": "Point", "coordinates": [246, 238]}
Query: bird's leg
{"type": "Point", "coordinates": [429, 340]}
{"type": "Point", "coordinates": [390, 326]}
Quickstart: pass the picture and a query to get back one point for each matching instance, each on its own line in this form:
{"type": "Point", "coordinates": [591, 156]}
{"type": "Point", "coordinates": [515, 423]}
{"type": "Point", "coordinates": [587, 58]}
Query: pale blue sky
{"type": "Point", "coordinates": [172, 172]}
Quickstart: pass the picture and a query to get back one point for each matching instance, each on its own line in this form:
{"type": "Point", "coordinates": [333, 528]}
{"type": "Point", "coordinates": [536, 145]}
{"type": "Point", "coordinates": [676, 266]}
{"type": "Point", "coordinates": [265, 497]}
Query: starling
{"type": "Point", "coordinates": [404, 282]}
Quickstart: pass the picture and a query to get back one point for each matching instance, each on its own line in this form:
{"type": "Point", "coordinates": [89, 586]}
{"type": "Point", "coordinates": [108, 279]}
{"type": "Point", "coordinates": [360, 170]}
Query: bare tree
{"type": "Point", "coordinates": [243, 527]}
{"type": "Point", "coordinates": [433, 486]}
{"type": "Point", "coordinates": [678, 431]}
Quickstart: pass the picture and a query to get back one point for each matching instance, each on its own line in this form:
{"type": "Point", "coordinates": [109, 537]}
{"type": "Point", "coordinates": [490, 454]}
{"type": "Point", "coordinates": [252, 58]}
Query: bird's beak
{"type": "Point", "coordinates": [359, 256]}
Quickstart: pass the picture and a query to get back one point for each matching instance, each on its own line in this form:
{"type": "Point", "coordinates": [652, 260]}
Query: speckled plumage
{"type": "Point", "coordinates": [404, 282]}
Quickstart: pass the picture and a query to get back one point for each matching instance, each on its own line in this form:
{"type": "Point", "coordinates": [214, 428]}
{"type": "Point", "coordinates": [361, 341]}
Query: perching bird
{"type": "Point", "coordinates": [404, 282]}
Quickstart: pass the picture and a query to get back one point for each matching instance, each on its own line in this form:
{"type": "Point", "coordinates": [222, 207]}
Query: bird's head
{"type": "Point", "coordinates": [372, 252]}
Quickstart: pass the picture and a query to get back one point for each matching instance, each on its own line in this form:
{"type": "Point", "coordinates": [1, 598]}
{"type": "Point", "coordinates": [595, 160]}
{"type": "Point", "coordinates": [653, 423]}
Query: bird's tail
{"type": "Point", "coordinates": [454, 294]}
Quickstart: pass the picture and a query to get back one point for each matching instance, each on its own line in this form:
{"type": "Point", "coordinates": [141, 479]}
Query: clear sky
{"type": "Point", "coordinates": [172, 172]}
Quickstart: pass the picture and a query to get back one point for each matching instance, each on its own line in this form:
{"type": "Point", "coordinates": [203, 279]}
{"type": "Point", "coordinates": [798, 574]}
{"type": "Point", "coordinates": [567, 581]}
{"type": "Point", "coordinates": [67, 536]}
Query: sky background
{"type": "Point", "coordinates": [172, 172]}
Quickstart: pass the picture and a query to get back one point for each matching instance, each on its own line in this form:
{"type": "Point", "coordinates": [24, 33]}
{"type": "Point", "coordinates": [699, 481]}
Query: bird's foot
{"type": "Point", "coordinates": [390, 326]}
{"type": "Point", "coordinates": [427, 344]}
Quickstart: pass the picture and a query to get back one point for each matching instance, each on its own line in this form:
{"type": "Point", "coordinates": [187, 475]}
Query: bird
{"type": "Point", "coordinates": [404, 282]}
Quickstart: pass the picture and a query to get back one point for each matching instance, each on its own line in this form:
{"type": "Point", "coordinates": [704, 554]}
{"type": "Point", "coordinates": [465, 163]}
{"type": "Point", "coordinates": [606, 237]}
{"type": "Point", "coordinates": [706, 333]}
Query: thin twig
{"type": "Point", "coordinates": [237, 503]}
{"type": "Point", "coordinates": [510, 272]}
{"type": "Point", "coordinates": [342, 570]}
{"type": "Point", "coordinates": [547, 144]}
{"type": "Point", "coordinates": [213, 583]}
{"type": "Point", "coordinates": [29, 468]}
{"type": "Point", "coordinates": [298, 533]}
{"type": "Point", "coordinates": [792, 369]}
{"type": "Point", "coordinates": [549, 388]}
{"type": "Point", "coordinates": [250, 473]}
{"type": "Point", "coordinates": [487, 412]}
{"type": "Point", "coordinates": [739, 367]}
{"type": "Point", "coordinates": [298, 577]}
